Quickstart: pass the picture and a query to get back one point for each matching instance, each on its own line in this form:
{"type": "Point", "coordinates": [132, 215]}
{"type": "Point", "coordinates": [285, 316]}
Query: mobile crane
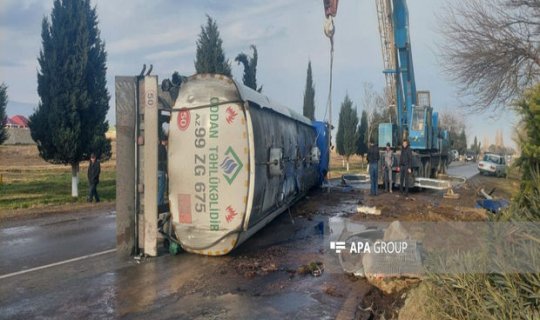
{"type": "Point", "coordinates": [416, 120]}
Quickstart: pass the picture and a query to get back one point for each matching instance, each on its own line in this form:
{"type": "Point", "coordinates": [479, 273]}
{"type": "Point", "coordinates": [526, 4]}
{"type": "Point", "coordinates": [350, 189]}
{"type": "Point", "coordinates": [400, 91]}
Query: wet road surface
{"type": "Point", "coordinates": [463, 169]}
{"type": "Point", "coordinates": [43, 241]}
{"type": "Point", "coordinates": [259, 280]}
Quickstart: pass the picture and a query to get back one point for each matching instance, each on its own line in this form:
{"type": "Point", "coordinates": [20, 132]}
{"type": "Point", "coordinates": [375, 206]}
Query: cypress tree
{"type": "Point", "coordinates": [462, 142]}
{"type": "Point", "coordinates": [347, 135]}
{"type": "Point", "coordinates": [3, 116]}
{"type": "Point", "coordinates": [210, 55]}
{"type": "Point", "coordinates": [340, 148]}
{"type": "Point", "coordinates": [250, 68]}
{"type": "Point", "coordinates": [362, 135]}
{"type": "Point", "coordinates": [69, 123]}
{"type": "Point", "coordinates": [309, 95]}
{"type": "Point", "coordinates": [475, 147]}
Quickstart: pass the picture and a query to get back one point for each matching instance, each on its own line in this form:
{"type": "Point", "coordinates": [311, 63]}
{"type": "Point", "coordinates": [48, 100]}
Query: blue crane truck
{"type": "Point", "coordinates": [415, 118]}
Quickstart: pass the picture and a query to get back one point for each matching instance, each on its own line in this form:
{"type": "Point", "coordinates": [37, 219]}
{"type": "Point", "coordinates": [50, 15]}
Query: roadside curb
{"type": "Point", "coordinates": [31, 213]}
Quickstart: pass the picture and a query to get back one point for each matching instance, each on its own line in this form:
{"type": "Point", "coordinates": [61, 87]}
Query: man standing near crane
{"type": "Point", "coordinates": [373, 157]}
{"type": "Point", "coordinates": [405, 167]}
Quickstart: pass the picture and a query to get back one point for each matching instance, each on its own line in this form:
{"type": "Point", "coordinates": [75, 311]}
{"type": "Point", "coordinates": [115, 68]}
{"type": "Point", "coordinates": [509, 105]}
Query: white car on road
{"type": "Point", "coordinates": [493, 164]}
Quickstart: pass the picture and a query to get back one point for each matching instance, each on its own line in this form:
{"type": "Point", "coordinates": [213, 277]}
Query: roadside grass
{"type": "Point", "coordinates": [511, 293]}
{"type": "Point", "coordinates": [29, 185]}
{"type": "Point", "coordinates": [338, 167]}
{"type": "Point", "coordinates": [513, 172]}
{"type": "Point", "coordinates": [43, 186]}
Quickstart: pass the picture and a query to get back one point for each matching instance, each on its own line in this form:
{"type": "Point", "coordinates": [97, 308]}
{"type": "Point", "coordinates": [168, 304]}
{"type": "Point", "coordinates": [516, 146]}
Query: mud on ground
{"type": "Point", "coordinates": [420, 205]}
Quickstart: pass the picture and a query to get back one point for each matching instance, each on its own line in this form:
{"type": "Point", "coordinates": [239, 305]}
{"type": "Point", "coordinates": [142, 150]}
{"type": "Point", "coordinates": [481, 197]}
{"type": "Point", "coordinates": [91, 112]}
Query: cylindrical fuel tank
{"type": "Point", "coordinates": [235, 160]}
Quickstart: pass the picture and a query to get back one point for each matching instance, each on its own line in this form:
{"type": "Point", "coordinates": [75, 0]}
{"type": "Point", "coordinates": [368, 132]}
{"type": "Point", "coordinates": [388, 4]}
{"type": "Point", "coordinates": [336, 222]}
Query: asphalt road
{"type": "Point", "coordinates": [186, 286]}
{"type": "Point", "coordinates": [463, 169]}
{"type": "Point", "coordinates": [37, 242]}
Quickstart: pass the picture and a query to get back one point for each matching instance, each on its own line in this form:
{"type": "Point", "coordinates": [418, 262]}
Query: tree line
{"type": "Point", "coordinates": [354, 134]}
{"type": "Point", "coordinates": [70, 123]}
{"type": "Point", "coordinates": [359, 132]}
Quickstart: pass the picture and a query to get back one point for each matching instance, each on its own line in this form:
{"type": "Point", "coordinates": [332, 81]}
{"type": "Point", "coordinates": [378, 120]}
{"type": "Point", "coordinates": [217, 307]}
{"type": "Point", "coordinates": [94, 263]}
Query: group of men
{"type": "Point", "coordinates": [405, 167]}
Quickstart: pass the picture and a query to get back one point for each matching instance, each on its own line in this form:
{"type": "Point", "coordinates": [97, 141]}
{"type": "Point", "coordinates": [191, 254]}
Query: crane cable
{"type": "Point", "coordinates": [329, 30]}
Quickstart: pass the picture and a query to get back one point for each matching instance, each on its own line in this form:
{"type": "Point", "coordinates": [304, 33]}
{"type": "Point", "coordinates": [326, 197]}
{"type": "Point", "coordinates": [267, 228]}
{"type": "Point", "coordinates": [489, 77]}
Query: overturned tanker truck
{"type": "Point", "coordinates": [236, 160]}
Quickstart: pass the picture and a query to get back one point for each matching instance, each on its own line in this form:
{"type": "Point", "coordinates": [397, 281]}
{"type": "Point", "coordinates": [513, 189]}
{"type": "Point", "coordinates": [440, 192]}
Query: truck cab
{"type": "Point", "coordinates": [421, 133]}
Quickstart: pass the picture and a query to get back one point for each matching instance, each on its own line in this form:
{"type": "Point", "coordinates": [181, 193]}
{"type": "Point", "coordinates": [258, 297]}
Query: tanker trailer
{"type": "Point", "coordinates": [236, 160]}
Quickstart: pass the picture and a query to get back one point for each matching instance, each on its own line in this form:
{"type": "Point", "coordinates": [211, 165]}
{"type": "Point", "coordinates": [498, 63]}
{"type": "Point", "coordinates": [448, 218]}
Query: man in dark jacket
{"type": "Point", "coordinates": [94, 170]}
{"type": "Point", "coordinates": [405, 167]}
{"type": "Point", "coordinates": [373, 160]}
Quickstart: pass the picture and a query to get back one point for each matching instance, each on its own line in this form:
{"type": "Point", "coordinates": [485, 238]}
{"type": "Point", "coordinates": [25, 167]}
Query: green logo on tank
{"type": "Point", "coordinates": [231, 165]}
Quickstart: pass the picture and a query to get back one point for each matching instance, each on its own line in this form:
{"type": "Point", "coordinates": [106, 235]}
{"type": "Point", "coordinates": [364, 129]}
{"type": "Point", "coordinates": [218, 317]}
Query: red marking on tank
{"type": "Point", "coordinates": [231, 213]}
{"type": "Point", "coordinates": [184, 118]}
{"type": "Point", "coordinates": [184, 208]}
{"type": "Point", "coordinates": [231, 115]}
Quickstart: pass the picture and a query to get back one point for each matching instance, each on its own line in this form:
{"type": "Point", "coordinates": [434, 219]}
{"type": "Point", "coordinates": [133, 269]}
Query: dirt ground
{"type": "Point", "coordinates": [292, 261]}
{"type": "Point", "coordinates": [421, 206]}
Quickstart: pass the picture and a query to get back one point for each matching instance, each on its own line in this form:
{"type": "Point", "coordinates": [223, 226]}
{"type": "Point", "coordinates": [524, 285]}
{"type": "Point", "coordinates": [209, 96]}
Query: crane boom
{"type": "Point", "coordinates": [416, 120]}
{"type": "Point", "coordinates": [406, 93]}
{"type": "Point", "coordinates": [386, 31]}
{"type": "Point", "coordinates": [393, 19]}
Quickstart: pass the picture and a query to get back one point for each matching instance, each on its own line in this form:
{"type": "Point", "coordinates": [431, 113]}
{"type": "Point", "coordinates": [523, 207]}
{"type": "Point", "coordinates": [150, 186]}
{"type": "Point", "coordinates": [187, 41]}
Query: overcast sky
{"type": "Point", "coordinates": [287, 34]}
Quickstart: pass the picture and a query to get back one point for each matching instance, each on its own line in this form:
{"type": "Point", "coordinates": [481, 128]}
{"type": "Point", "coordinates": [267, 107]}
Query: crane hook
{"type": "Point", "coordinates": [329, 28]}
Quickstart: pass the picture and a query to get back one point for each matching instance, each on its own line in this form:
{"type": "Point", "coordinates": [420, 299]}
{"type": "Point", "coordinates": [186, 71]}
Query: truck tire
{"type": "Point", "coordinates": [427, 170]}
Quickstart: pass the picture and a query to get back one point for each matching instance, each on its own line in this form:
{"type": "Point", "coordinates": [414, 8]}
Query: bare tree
{"type": "Point", "coordinates": [452, 120]}
{"type": "Point", "coordinates": [374, 104]}
{"type": "Point", "coordinates": [491, 48]}
{"type": "Point", "coordinates": [455, 124]}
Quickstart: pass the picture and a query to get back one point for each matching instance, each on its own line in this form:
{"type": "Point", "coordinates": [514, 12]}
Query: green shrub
{"type": "Point", "coordinates": [494, 295]}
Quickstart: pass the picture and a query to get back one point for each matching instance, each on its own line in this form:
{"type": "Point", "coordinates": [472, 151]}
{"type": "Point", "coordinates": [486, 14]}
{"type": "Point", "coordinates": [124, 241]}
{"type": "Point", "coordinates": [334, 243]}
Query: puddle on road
{"type": "Point", "coordinates": [16, 236]}
{"type": "Point", "coordinates": [290, 305]}
{"type": "Point", "coordinates": [17, 230]}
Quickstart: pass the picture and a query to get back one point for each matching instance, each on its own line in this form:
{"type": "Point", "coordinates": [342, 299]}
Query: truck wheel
{"type": "Point", "coordinates": [427, 170]}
